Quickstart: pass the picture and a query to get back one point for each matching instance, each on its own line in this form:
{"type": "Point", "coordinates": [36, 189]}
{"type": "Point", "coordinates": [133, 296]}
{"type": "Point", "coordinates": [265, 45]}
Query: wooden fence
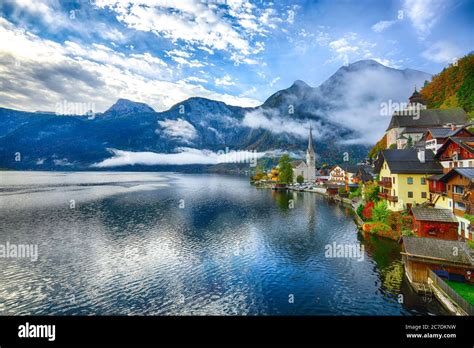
{"type": "Point", "coordinates": [460, 301]}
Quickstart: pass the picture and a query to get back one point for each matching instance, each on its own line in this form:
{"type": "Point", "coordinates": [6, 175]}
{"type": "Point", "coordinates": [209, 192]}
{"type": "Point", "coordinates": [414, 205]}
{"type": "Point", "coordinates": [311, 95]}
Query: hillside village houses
{"type": "Point", "coordinates": [436, 172]}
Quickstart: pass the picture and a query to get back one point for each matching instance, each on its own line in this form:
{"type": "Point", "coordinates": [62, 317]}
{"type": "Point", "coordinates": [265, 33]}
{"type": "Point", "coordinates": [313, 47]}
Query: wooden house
{"type": "Point", "coordinates": [456, 152]}
{"type": "Point", "coordinates": [436, 137]}
{"type": "Point", "coordinates": [435, 223]}
{"type": "Point", "coordinates": [422, 254]}
{"type": "Point", "coordinates": [459, 190]}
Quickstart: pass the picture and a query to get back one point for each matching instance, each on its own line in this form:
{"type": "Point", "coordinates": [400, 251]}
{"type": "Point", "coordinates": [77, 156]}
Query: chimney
{"type": "Point", "coordinates": [453, 127]}
{"type": "Point", "coordinates": [421, 155]}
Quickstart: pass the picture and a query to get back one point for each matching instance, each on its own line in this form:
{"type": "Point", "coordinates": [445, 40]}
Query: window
{"type": "Point", "coordinates": [410, 180]}
{"type": "Point", "coordinates": [471, 163]}
{"type": "Point", "coordinates": [423, 181]}
{"type": "Point", "coordinates": [458, 189]}
{"type": "Point", "coordinates": [423, 195]}
{"type": "Point", "coordinates": [459, 206]}
{"type": "Point", "coordinates": [450, 164]}
{"type": "Point", "coordinates": [450, 204]}
{"type": "Point", "coordinates": [393, 180]}
{"type": "Point", "coordinates": [410, 194]}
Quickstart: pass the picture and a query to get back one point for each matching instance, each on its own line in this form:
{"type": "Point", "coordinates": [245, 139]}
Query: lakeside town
{"type": "Point", "coordinates": [417, 190]}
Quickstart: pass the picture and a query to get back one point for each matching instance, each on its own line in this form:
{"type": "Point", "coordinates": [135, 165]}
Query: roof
{"type": "Point", "coordinates": [445, 132]}
{"type": "Point", "coordinates": [466, 143]}
{"type": "Point", "coordinates": [433, 214]}
{"type": "Point", "coordinates": [438, 248]}
{"type": "Point", "coordinates": [406, 162]}
{"type": "Point", "coordinates": [415, 130]}
{"type": "Point", "coordinates": [429, 118]}
{"type": "Point", "coordinates": [435, 177]}
{"type": "Point", "coordinates": [296, 163]}
{"type": "Point", "coordinates": [350, 168]}
{"type": "Point", "coordinates": [465, 172]}
{"type": "Point", "coordinates": [366, 173]}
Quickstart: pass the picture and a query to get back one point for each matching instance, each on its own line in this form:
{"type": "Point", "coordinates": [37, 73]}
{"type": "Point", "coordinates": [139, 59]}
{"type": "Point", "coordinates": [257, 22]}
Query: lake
{"type": "Point", "coordinates": [115, 243]}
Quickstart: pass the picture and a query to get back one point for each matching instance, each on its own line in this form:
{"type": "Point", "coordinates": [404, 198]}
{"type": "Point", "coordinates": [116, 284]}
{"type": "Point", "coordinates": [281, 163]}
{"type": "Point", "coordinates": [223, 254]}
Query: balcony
{"type": "Point", "coordinates": [438, 191]}
{"type": "Point", "coordinates": [387, 183]}
{"type": "Point", "coordinates": [392, 198]}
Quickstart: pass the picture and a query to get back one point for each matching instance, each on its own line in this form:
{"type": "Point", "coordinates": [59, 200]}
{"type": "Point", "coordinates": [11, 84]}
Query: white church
{"type": "Point", "coordinates": [306, 169]}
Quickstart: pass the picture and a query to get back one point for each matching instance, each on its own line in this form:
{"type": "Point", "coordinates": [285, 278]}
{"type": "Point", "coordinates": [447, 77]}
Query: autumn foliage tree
{"type": "Point", "coordinates": [453, 87]}
{"type": "Point", "coordinates": [367, 211]}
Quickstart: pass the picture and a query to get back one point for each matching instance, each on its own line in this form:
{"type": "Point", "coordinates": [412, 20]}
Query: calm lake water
{"type": "Point", "coordinates": [169, 244]}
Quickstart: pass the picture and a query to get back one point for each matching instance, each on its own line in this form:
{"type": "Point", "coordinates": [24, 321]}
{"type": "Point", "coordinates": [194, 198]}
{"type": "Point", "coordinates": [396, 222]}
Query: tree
{"type": "Point", "coordinates": [380, 212]}
{"type": "Point", "coordinates": [409, 143]}
{"type": "Point", "coordinates": [371, 191]}
{"type": "Point", "coordinates": [300, 179]}
{"type": "Point", "coordinates": [286, 171]}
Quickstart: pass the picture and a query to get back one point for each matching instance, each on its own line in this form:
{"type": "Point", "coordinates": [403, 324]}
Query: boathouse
{"type": "Point", "coordinates": [452, 259]}
{"type": "Point", "coordinates": [434, 223]}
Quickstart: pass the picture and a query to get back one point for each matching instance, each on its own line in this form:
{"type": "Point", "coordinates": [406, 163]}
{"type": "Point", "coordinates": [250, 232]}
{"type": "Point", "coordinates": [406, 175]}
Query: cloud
{"type": "Point", "coordinates": [226, 80]}
{"type": "Point", "coordinates": [350, 45]}
{"type": "Point", "coordinates": [442, 52]}
{"type": "Point", "coordinates": [179, 128]}
{"type": "Point", "coordinates": [271, 120]}
{"type": "Point", "coordinates": [87, 73]}
{"type": "Point", "coordinates": [183, 157]}
{"type": "Point", "coordinates": [274, 81]}
{"type": "Point", "coordinates": [224, 28]}
{"type": "Point", "coordinates": [382, 25]}
{"type": "Point", "coordinates": [424, 14]}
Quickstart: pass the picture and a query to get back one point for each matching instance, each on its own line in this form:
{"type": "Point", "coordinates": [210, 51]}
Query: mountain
{"type": "Point", "coordinates": [340, 112]}
{"type": "Point", "coordinates": [453, 86]}
{"type": "Point", "coordinates": [124, 107]}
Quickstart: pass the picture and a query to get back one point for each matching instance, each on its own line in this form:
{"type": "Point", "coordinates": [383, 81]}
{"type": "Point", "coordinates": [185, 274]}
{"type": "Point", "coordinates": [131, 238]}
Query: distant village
{"type": "Point", "coordinates": [418, 191]}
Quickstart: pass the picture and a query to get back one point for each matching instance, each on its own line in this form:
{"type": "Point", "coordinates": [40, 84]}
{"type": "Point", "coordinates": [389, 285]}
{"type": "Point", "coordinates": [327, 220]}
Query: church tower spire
{"type": "Point", "coordinates": [310, 158]}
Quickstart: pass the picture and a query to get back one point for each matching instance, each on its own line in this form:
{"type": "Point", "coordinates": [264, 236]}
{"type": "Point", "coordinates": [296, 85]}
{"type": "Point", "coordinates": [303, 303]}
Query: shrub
{"type": "Point", "coordinates": [360, 208]}
{"type": "Point", "coordinates": [367, 210]}
{"type": "Point", "coordinates": [300, 179]}
{"type": "Point", "coordinates": [380, 212]}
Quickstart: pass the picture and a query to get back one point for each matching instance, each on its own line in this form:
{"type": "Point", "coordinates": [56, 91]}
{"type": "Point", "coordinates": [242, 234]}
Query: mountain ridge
{"type": "Point", "coordinates": [280, 123]}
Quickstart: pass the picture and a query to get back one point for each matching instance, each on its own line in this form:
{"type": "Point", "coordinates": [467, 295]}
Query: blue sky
{"type": "Point", "coordinates": [162, 51]}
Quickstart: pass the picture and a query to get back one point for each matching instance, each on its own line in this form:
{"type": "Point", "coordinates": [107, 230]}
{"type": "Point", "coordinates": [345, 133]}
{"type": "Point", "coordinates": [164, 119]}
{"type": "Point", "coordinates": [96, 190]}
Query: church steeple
{"type": "Point", "coordinates": [310, 159]}
{"type": "Point", "coordinates": [310, 141]}
{"type": "Point", "coordinates": [416, 97]}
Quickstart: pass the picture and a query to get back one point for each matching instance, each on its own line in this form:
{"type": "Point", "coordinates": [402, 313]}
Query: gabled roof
{"type": "Point", "coordinates": [365, 173]}
{"type": "Point", "coordinates": [429, 118]}
{"type": "Point", "coordinates": [465, 172]}
{"type": "Point", "coordinates": [433, 214]}
{"type": "Point", "coordinates": [445, 132]}
{"type": "Point", "coordinates": [350, 168]}
{"type": "Point", "coordinates": [406, 162]}
{"type": "Point", "coordinates": [296, 163]}
{"type": "Point", "coordinates": [465, 143]}
{"type": "Point", "coordinates": [439, 249]}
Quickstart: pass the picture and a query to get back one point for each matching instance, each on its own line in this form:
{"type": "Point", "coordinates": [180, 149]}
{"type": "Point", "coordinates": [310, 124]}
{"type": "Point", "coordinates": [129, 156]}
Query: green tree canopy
{"type": "Point", "coordinates": [286, 171]}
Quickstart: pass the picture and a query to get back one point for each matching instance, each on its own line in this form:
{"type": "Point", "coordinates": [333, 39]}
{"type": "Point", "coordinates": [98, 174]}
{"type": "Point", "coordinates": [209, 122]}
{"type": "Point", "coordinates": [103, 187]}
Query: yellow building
{"type": "Point", "coordinates": [403, 177]}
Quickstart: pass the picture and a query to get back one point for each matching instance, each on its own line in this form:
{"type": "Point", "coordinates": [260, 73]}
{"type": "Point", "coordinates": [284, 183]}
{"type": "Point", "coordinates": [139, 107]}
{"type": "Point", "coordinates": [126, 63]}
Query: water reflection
{"type": "Point", "coordinates": [130, 247]}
